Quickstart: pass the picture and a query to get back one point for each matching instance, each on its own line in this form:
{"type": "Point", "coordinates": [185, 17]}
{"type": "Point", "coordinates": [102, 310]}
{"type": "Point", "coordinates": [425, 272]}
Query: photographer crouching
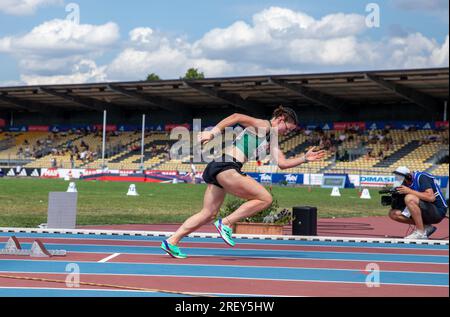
{"type": "Point", "coordinates": [418, 201]}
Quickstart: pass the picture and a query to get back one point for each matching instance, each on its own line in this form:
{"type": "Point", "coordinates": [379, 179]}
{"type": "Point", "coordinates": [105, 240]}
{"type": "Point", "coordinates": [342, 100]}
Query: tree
{"type": "Point", "coordinates": [193, 73]}
{"type": "Point", "coordinates": [153, 77]}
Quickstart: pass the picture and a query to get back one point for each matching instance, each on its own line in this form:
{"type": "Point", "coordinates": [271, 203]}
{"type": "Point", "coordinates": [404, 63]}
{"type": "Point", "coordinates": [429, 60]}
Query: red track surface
{"type": "Point", "coordinates": [375, 227]}
{"type": "Point", "coordinates": [234, 286]}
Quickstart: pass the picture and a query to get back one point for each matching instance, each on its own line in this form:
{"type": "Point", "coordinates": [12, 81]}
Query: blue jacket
{"type": "Point", "coordinates": [422, 181]}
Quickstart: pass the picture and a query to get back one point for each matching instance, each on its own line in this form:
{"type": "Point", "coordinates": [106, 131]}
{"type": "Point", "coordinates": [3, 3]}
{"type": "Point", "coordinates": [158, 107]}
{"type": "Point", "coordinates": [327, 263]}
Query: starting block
{"type": "Point", "coordinates": [38, 249]}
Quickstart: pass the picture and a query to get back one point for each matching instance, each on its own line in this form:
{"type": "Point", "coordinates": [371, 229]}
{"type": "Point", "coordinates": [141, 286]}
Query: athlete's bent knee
{"type": "Point", "coordinates": [209, 215]}
{"type": "Point", "coordinates": [394, 214]}
{"type": "Point", "coordinates": [266, 201]}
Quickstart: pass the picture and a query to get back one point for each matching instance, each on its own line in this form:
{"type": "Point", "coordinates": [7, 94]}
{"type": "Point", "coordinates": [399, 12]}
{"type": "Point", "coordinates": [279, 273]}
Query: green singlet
{"type": "Point", "coordinates": [251, 144]}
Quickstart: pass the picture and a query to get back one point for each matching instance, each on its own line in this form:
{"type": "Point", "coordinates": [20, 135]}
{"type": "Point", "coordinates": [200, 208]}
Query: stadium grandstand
{"type": "Point", "coordinates": [366, 120]}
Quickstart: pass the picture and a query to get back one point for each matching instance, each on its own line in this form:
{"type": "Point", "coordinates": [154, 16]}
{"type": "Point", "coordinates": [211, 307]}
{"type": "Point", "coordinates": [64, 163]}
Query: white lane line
{"type": "Point", "coordinates": [215, 235]}
{"type": "Point", "coordinates": [112, 256]}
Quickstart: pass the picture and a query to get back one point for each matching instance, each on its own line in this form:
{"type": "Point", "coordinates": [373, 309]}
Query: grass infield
{"type": "Point", "coordinates": [23, 202]}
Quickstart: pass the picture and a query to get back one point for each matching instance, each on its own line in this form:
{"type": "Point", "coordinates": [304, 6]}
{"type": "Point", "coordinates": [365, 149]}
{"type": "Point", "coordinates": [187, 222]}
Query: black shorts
{"type": "Point", "coordinates": [215, 168]}
{"type": "Point", "coordinates": [430, 213]}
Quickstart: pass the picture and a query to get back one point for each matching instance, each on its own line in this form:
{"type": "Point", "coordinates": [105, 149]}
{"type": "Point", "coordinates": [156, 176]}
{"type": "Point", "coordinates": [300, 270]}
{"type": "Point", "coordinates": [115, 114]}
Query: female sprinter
{"type": "Point", "coordinates": [226, 177]}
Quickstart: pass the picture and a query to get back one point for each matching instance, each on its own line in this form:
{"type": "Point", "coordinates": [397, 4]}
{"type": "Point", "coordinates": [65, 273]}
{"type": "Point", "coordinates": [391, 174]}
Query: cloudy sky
{"type": "Point", "coordinates": [46, 41]}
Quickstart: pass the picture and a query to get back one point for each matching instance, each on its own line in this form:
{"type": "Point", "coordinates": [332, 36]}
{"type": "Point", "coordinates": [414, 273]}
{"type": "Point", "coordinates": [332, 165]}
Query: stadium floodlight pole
{"type": "Point", "coordinates": [142, 142]}
{"type": "Point", "coordinates": [104, 140]}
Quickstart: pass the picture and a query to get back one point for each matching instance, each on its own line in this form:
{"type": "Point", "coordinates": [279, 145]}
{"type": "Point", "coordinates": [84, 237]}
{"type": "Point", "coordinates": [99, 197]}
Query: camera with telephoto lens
{"type": "Point", "coordinates": [391, 197]}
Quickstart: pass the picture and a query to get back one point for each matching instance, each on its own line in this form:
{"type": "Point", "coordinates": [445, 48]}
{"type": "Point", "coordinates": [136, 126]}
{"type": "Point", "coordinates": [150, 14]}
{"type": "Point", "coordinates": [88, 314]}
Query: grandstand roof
{"type": "Point", "coordinates": [427, 88]}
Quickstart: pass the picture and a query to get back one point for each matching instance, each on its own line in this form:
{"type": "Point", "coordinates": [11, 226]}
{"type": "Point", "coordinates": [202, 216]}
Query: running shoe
{"type": "Point", "coordinates": [429, 230]}
{"type": "Point", "coordinates": [172, 250]}
{"type": "Point", "coordinates": [417, 235]}
{"type": "Point", "coordinates": [225, 232]}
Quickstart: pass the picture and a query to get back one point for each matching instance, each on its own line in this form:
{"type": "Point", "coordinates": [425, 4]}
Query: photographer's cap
{"type": "Point", "coordinates": [402, 170]}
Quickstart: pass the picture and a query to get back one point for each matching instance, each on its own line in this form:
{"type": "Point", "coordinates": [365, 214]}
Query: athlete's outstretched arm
{"type": "Point", "coordinates": [311, 156]}
{"type": "Point", "coordinates": [237, 118]}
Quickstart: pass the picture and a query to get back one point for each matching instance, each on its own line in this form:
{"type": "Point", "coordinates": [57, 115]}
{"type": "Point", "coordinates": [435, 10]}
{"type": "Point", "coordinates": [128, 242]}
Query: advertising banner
{"type": "Point", "coordinates": [38, 128]}
{"type": "Point", "coordinates": [340, 126]}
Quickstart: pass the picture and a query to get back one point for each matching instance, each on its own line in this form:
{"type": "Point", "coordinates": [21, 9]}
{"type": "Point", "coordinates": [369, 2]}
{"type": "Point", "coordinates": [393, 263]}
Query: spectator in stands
{"type": "Point", "coordinates": [166, 152]}
{"type": "Point", "coordinates": [433, 137]}
{"type": "Point", "coordinates": [53, 162]}
{"type": "Point", "coordinates": [444, 139]}
{"type": "Point", "coordinates": [389, 140]}
{"type": "Point", "coordinates": [325, 143]}
{"type": "Point", "coordinates": [20, 153]}
{"type": "Point", "coordinates": [72, 161]}
{"type": "Point", "coordinates": [341, 154]}
{"type": "Point", "coordinates": [83, 155]}
{"type": "Point", "coordinates": [372, 154]}
{"type": "Point", "coordinates": [425, 203]}
{"type": "Point", "coordinates": [424, 140]}
{"type": "Point", "coordinates": [27, 152]}
{"type": "Point", "coordinates": [373, 137]}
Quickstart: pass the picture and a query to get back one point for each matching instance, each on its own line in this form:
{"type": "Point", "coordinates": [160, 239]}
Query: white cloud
{"type": "Point", "coordinates": [281, 39]}
{"type": "Point", "coordinates": [276, 26]}
{"type": "Point", "coordinates": [277, 41]}
{"type": "Point", "coordinates": [82, 72]}
{"type": "Point", "coordinates": [25, 7]}
{"type": "Point", "coordinates": [339, 51]}
{"type": "Point", "coordinates": [416, 51]}
{"type": "Point", "coordinates": [142, 35]}
{"type": "Point", "coordinates": [238, 35]}
{"type": "Point", "coordinates": [11, 83]}
{"type": "Point", "coordinates": [62, 37]}
{"type": "Point", "coordinates": [439, 55]}
{"type": "Point", "coordinates": [57, 49]}
{"type": "Point", "coordinates": [169, 59]}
